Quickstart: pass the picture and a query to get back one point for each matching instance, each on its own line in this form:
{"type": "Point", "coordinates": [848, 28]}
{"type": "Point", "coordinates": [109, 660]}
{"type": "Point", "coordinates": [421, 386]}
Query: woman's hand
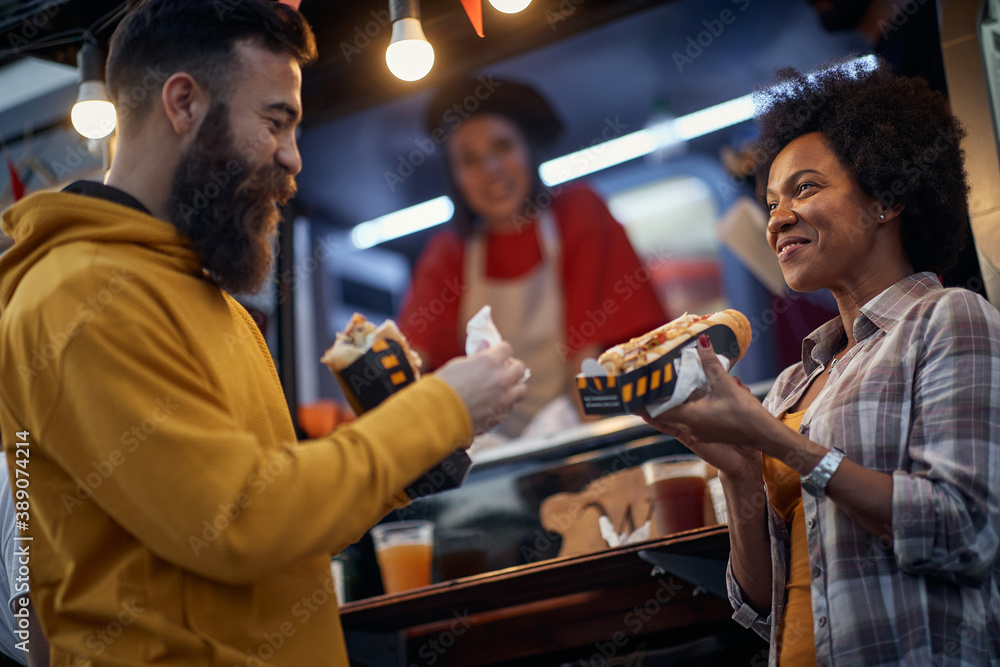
{"type": "Point", "coordinates": [721, 427]}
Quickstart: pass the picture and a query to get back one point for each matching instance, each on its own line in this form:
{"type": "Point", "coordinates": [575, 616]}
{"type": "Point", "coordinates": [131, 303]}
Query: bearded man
{"type": "Point", "coordinates": [174, 519]}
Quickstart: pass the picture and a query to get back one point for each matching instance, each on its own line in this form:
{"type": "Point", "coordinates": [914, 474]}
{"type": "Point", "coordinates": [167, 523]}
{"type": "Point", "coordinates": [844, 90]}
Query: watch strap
{"type": "Point", "coordinates": [815, 482]}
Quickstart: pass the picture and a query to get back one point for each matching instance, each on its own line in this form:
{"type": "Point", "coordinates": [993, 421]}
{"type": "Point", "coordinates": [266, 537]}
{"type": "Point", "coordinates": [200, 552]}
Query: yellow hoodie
{"type": "Point", "coordinates": [175, 519]}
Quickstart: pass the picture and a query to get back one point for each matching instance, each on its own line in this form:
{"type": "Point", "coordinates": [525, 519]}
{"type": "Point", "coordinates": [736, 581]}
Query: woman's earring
{"type": "Point", "coordinates": [881, 216]}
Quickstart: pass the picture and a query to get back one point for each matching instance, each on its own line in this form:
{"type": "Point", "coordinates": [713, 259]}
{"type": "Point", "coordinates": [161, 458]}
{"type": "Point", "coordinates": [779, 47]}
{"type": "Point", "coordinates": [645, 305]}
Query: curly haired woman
{"type": "Point", "coordinates": [873, 539]}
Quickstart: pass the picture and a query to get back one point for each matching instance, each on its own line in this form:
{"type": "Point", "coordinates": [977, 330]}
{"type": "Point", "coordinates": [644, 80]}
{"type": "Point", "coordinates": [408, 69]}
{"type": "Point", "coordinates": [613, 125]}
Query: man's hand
{"type": "Point", "coordinates": [489, 383]}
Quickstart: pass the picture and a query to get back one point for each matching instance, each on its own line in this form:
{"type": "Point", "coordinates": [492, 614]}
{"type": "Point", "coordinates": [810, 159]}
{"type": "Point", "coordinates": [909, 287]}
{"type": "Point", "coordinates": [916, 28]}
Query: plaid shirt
{"type": "Point", "coordinates": [918, 398]}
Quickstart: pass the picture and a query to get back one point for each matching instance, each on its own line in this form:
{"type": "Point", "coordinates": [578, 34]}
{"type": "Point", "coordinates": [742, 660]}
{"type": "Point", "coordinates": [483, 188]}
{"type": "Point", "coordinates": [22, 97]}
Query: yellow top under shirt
{"type": "Point", "coordinates": [796, 646]}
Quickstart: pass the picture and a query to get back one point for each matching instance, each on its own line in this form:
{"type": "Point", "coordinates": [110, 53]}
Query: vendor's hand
{"type": "Point", "coordinates": [489, 382]}
{"type": "Point", "coordinates": [720, 427]}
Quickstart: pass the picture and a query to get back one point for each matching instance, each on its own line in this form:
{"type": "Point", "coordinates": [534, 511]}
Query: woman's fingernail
{"type": "Point", "coordinates": [703, 341]}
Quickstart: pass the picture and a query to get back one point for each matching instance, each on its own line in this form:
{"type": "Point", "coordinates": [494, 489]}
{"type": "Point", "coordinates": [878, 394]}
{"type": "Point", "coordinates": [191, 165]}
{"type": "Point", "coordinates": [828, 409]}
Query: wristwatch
{"type": "Point", "coordinates": [815, 482]}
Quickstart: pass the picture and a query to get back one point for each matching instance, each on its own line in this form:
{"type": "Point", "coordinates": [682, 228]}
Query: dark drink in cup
{"type": "Point", "coordinates": [457, 564]}
{"type": "Point", "coordinates": [461, 553]}
{"type": "Point", "coordinates": [679, 504]}
{"type": "Point", "coordinates": [677, 492]}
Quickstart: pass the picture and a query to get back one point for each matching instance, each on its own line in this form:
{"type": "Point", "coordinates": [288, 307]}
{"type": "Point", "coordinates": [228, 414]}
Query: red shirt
{"type": "Point", "coordinates": [608, 297]}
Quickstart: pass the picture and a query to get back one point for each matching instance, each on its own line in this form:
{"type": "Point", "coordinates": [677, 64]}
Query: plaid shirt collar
{"type": "Point", "coordinates": [882, 312]}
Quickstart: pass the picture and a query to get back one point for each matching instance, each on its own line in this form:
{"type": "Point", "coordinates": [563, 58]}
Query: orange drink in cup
{"type": "Point", "coordinates": [404, 551]}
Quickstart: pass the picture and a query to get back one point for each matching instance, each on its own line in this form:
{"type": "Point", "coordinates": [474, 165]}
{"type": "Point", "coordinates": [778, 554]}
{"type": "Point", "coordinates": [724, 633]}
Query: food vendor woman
{"type": "Point", "coordinates": [554, 265]}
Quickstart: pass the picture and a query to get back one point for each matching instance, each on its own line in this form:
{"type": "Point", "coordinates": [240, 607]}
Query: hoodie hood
{"type": "Point", "coordinates": [45, 221]}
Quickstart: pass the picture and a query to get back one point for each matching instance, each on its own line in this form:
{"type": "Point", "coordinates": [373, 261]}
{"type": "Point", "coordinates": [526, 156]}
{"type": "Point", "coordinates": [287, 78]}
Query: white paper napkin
{"type": "Point", "coordinates": [690, 379]}
{"type": "Point", "coordinates": [482, 333]}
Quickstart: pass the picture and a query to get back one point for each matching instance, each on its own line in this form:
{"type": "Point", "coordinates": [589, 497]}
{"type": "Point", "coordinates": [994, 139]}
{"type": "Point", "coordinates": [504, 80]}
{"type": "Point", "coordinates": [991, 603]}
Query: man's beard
{"type": "Point", "coordinates": [226, 208]}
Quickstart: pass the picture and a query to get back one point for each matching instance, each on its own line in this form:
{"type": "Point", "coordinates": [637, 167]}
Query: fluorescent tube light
{"type": "Point", "coordinates": [643, 142]}
{"type": "Point", "coordinates": [400, 223]}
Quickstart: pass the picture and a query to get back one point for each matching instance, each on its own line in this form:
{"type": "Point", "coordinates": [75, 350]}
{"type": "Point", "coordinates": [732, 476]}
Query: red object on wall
{"type": "Point", "coordinates": [16, 186]}
{"type": "Point", "coordinates": [474, 9]}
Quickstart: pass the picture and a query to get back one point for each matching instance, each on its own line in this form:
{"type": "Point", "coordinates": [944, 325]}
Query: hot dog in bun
{"type": "Point", "coordinates": [647, 348]}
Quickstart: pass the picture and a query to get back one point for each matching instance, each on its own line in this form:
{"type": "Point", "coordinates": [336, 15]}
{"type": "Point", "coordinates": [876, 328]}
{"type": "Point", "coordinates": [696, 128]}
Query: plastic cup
{"type": "Point", "coordinates": [677, 491]}
{"type": "Point", "coordinates": [460, 553]}
{"type": "Point", "coordinates": [337, 570]}
{"type": "Point", "coordinates": [718, 500]}
{"type": "Point", "coordinates": [403, 550]}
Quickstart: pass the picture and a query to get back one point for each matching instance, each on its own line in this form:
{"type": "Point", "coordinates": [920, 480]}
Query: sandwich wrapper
{"type": "Point", "coordinates": [384, 369]}
{"type": "Point", "coordinates": [658, 386]}
{"type": "Point", "coordinates": [380, 372]}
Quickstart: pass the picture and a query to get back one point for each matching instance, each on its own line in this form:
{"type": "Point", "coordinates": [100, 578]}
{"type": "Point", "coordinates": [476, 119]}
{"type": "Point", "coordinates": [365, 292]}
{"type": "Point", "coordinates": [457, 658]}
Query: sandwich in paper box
{"type": "Point", "coordinates": [660, 369]}
{"type": "Point", "coordinates": [372, 363]}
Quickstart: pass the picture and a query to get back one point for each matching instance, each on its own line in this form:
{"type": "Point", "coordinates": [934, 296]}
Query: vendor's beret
{"type": "Point", "coordinates": [462, 98]}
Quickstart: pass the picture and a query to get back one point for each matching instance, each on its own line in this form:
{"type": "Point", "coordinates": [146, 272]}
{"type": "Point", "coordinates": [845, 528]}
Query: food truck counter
{"type": "Point", "coordinates": [656, 602]}
{"type": "Point", "coordinates": [528, 604]}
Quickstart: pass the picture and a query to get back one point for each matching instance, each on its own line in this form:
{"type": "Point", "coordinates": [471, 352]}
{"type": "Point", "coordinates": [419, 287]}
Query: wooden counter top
{"type": "Point", "coordinates": [554, 604]}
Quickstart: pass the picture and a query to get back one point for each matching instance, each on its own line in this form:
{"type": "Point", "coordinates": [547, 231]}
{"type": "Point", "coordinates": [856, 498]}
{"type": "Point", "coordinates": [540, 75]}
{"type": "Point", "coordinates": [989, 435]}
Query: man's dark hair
{"type": "Point", "coordinates": [160, 37]}
{"type": "Point", "coordinates": [898, 136]}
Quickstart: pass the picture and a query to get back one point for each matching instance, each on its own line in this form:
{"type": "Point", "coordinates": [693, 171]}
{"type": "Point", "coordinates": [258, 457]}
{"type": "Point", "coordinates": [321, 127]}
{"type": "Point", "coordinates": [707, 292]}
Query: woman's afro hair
{"type": "Point", "coordinates": [898, 136]}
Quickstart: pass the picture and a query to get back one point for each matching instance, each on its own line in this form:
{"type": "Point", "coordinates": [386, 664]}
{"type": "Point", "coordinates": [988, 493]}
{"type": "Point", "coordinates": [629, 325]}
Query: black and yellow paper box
{"type": "Point", "coordinates": [652, 383]}
{"type": "Point", "coordinates": [377, 374]}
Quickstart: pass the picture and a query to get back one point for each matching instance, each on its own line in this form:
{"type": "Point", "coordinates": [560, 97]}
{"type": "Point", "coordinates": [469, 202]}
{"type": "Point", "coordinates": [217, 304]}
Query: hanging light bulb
{"type": "Point", "coordinates": [93, 114]}
{"type": "Point", "coordinates": [510, 6]}
{"type": "Point", "coordinates": [409, 56]}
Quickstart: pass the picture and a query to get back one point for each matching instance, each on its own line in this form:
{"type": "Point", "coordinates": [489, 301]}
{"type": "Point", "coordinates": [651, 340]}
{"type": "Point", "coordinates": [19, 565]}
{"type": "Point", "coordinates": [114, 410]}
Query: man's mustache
{"type": "Point", "coordinates": [272, 181]}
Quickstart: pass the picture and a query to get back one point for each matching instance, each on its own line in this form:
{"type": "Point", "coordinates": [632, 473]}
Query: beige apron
{"type": "Point", "coordinates": [528, 312]}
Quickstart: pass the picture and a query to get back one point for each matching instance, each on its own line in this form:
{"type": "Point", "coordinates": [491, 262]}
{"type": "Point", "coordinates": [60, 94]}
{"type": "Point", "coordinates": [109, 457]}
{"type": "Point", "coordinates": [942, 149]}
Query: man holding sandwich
{"type": "Point", "coordinates": [174, 518]}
